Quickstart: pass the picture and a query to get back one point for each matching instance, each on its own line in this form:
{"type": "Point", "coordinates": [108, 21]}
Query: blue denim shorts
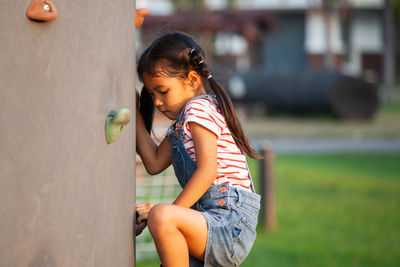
{"type": "Point", "coordinates": [231, 216]}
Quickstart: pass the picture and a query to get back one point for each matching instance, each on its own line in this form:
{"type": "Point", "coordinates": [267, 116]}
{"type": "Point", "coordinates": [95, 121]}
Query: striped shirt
{"type": "Point", "coordinates": [231, 162]}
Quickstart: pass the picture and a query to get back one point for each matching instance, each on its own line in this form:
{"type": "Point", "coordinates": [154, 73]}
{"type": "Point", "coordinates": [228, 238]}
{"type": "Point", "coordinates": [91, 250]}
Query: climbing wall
{"type": "Point", "coordinates": [66, 196]}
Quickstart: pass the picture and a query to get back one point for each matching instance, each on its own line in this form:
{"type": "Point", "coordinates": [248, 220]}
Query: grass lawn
{"type": "Point", "coordinates": [332, 210]}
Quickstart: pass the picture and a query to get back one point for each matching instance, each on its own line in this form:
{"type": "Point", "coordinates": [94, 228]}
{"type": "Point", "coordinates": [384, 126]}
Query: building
{"type": "Point", "coordinates": [286, 35]}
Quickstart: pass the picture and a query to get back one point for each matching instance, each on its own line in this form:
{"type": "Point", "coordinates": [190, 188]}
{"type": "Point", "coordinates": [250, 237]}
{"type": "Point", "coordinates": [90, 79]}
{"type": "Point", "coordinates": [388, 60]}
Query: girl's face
{"type": "Point", "coordinates": [171, 94]}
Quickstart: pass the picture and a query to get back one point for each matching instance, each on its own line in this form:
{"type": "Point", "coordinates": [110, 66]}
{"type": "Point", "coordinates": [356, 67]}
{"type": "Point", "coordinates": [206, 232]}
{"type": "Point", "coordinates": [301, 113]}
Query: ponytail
{"type": "Point", "coordinates": [233, 123]}
{"type": "Point", "coordinates": [197, 61]}
{"type": "Point", "coordinates": [146, 107]}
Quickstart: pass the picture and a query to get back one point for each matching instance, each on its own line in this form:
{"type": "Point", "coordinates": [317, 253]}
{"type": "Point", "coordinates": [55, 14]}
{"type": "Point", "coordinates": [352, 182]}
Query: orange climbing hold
{"type": "Point", "coordinates": [140, 14]}
{"type": "Point", "coordinates": [42, 10]}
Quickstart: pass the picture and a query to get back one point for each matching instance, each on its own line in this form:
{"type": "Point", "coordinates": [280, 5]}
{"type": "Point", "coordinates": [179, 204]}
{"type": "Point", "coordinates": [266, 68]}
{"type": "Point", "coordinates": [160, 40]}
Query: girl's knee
{"type": "Point", "coordinates": [159, 216]}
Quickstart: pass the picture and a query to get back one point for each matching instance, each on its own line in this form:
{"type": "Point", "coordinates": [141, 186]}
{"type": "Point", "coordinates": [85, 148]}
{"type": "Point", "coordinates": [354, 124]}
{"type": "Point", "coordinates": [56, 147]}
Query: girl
{"type": "Point", "coordinates": [213, 220]}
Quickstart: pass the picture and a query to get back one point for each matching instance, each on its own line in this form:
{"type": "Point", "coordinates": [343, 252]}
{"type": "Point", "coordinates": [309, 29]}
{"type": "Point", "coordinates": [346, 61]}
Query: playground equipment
{"type": "Point", "coordinates": [115, 123]}
{"type": "Point", "coordinates": [42, 10]}
{"type": "Point", "coordinates": [66, 197]}
{"type": "Point", "coordinates": [140, 14]}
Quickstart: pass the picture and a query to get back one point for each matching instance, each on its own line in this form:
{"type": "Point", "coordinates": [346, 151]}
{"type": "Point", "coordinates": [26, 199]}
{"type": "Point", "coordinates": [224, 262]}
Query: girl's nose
{"type": "Point", "coordinates": [157, 102]}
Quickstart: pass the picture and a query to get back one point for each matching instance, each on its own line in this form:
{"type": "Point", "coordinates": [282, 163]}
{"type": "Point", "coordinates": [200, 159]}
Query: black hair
{"type": "Point", "coordinates": [175, 55]}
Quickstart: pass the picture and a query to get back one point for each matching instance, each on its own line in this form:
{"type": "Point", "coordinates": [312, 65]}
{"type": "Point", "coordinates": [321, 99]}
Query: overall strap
{"type": "Point", "coordinates": [251, 179]}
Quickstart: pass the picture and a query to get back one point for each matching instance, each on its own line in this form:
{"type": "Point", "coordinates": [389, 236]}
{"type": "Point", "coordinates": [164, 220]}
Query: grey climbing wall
{"type": "Point", "coordinates": [66, 197]}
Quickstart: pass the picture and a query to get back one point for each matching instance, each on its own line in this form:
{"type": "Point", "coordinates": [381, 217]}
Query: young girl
{"type": "Point", "coordinates": [213, 220]}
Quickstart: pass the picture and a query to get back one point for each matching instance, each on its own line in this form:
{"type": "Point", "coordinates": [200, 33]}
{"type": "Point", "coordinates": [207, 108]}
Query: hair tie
{"type": "Point", "coordinates": [209, 77]}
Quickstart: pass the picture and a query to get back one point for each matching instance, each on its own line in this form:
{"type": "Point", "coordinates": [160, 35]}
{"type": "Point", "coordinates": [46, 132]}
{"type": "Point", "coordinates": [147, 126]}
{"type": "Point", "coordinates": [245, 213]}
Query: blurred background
{"type": "Point", "coordinates": [318, 83]}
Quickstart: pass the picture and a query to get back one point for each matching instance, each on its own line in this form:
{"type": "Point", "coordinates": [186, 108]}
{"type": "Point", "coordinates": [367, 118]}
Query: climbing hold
{"type": "Point", "coordinates": [42, 10]}
{"type": "Point", "coordinates": [140, 14]}
{"type": "Point", "coordinates": [115, 122]}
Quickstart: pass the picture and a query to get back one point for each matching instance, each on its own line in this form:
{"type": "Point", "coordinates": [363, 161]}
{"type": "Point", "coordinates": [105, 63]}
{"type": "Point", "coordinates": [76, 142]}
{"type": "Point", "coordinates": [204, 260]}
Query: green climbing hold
{"type": "Point", "coordinates": [115, 122]}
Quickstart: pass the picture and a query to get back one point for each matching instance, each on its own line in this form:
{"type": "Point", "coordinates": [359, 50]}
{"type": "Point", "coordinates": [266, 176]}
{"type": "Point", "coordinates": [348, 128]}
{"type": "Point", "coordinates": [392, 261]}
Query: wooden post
{"type": "Point", "coordinates": [268, 187]}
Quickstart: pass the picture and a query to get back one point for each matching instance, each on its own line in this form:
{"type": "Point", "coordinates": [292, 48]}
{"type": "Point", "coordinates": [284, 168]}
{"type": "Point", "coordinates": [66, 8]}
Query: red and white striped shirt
{"type": "Point", "coordinates": [231, 162]}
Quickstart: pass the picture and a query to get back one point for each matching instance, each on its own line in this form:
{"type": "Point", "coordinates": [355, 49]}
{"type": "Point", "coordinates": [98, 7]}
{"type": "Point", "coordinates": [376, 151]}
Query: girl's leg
{"type": "Point", "coordinates": [177, 231]}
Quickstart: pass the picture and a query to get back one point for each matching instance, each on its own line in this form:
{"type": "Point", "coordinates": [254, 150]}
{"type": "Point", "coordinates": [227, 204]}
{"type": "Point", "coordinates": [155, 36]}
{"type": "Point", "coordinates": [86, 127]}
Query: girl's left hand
{"type": "Point", "coordinates": [142, 211]}
{"type": "Point", "coordinates": [140, 227]}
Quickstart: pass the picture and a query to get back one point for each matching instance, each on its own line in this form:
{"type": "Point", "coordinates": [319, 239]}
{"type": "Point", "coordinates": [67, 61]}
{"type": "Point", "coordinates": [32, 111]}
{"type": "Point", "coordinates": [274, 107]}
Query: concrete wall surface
{"type": "Point", "coordinates": [66, 197]}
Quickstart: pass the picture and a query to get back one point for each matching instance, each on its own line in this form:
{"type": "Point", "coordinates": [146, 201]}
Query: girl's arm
{"type": "Point", "coordinates": [156, 158]}
{"type": "Point", "coordinates": [205, 143]}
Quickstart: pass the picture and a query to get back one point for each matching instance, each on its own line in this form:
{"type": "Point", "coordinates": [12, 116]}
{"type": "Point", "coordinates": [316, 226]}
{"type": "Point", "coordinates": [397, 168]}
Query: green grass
{"type": "Point", "coordinates": [332, 210]}
{"type": "Point", "coordinates": [393, 107]}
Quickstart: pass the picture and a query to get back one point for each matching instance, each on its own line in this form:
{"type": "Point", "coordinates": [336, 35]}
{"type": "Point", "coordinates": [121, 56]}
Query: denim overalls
{"type": "Point", "coordinates": [231, 213]}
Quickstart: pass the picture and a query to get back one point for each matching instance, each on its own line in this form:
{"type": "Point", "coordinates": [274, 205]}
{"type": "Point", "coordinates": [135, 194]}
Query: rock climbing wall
{"type": "Point", "coordinates": [66, 196]}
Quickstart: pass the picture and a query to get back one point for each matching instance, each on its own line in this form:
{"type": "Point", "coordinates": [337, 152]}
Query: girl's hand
{"type": "Point", "coordinates": [142, 211]}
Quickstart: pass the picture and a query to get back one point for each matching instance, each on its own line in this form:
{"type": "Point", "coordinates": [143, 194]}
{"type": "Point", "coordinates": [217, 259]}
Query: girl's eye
{"type": "Point", "coordinates": [164, 92]}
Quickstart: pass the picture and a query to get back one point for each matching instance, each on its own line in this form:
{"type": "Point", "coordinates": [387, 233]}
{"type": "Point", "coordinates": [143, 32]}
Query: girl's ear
{"type": "Point", "coordinates": [194, 79]}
